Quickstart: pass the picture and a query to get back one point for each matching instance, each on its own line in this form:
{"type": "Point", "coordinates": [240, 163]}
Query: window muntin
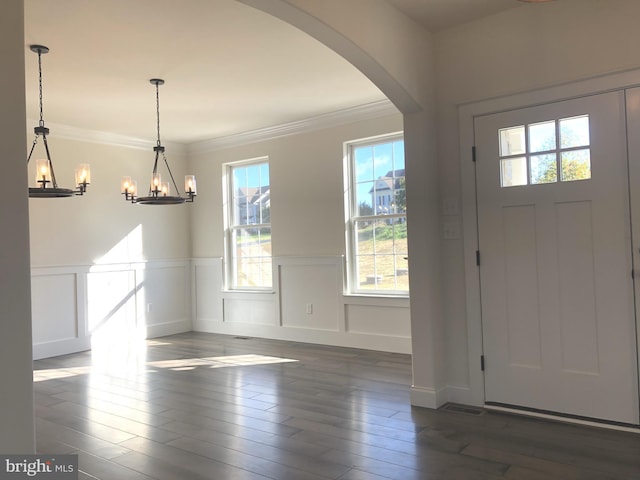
{"type": "Point", "coordinates": [545, 152]}
{"type": "Point", "coordinates": [249, 262]}
{"type": "Point", "coordinates": [376, 217]}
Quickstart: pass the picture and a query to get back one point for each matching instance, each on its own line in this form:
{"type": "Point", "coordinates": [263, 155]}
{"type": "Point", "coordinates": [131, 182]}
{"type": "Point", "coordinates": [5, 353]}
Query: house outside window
{"type": "Point", "coordinates": [376, 219]}
{"type": "Point", "coordinates": [248, 262]}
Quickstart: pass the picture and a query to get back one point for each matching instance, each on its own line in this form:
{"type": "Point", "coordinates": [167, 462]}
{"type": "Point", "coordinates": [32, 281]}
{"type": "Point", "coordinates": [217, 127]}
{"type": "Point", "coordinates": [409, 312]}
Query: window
{"type": "Point", "coordinates": [545, 152]}
{"type": "Point", "coordinates": [248, 225]}
{"type": "Point", "coordinates": [376, 216]}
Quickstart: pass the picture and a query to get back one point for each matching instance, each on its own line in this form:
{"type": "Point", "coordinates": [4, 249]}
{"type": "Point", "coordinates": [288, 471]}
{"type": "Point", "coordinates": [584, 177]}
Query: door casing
{"type": "Point", "coordinates": [474, 394]}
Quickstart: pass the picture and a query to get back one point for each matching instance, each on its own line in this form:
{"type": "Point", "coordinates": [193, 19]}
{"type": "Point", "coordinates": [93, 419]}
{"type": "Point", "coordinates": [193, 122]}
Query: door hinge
{"type": "Point", "coordinates": [478, 257]}
{"type": "Point", "coordinates": [482, 362]}
{"type": "Point", "coordinates": [473, 153]}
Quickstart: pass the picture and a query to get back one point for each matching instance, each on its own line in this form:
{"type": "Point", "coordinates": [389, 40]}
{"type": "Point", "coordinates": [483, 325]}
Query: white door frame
{"type": "Point", "coordinates": [466, 114]}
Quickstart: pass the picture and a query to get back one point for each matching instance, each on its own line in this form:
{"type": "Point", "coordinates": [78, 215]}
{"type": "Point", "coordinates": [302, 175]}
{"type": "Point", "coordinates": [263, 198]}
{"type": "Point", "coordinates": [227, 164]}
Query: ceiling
{"type": "Point", "coordinates": [228, 68]}
{"type": "Point", "coordinates": [437, 15]}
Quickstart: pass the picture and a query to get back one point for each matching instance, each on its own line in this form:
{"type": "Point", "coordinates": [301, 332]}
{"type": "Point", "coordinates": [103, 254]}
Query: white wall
{"type": "Point", "coordinates": [520, 50]}
{"type": "Point", "coordinates": [396, 54]}
{"type": "Point", "coordinates": [307, 187]}
{"type": "Point", "coordinates": [389, 48]}
{"type": "Point", "coordinates": [97, 227]}
{"type": "Point", "coordinates": [307, 219]}
{"type": "Point", "coordinates": [16, 393]}
{"type": "Point", "coordinates": [104, 270]}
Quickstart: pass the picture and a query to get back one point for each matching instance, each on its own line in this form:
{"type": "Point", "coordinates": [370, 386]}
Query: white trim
{"type": "Point", "coordinates": [351, 216]}
{"type": "Point", "coordinates": [428, 397]}
{"type": "Point", "coordinates": [215, 321]}
{"type": "Point", "coordinates": [376, 300]}
{"type": "Point", "coordinates": [82, 340]}
{"type": "Point", "coordinates": [383, 343]}
{"type": "Point", "coordinates": [107, 138]}
{"type": "Point", "coordinates": [56, 348]}
{"type": "Point", "coordinates": [459, 394]}
{"type": "Point", "coordinates": [216, 262]}
{"type": "Point", "coordinates": [231, 225]}
{"type": "Point", "coordinates": [173, 327]}
{"type": "Point", "coordinates": [565, 91]}
{"type": "Point", "coordinates": [340, 117]}
{"type": "Point", "coordinates": [466, 114]}
{"type": "Point", "coordinates": [239, 294]}
{"type": "Point", "coordinates": [559, 418]}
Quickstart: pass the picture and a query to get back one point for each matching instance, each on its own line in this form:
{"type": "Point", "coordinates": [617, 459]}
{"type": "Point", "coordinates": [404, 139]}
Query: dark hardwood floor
{"type": "Point", "coordinates": [201, 406]}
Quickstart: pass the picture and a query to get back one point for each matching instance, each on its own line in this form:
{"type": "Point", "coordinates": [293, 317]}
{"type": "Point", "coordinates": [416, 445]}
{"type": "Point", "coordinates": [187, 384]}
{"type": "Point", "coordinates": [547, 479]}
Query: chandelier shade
{"type": "Point", "coordinates": [159, 191]}
{"type": "Point", "coordinates": [45, 175]}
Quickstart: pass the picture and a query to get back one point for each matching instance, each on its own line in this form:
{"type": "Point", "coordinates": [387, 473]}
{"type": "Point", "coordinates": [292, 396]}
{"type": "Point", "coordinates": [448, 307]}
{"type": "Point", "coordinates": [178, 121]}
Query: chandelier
{"type": "Point", "coordinates": [159, 191]}
{"type": "Point", "coordinates": [45, 175]}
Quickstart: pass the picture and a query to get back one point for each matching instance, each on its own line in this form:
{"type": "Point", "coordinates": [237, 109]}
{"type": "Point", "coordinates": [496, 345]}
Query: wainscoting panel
{"type": "Point", "coordinates": [306, 305]}
{"type": "Point", "coordinates": [166, 290]}
{"type": "Point", "coordinates": [207, 290]}
{"type": "Point", "coordinates": [111, 302]}
{"type": "Point", "coordinates": [76, 307]}
{"type": "Point", "coordinates": [249, 309]}
{"type": "Point", "coordinates": [378, 320]}
{"type": "Point", "coordinates": [57, 319]}
{"type": "Point", "coordinates": [310, 293]}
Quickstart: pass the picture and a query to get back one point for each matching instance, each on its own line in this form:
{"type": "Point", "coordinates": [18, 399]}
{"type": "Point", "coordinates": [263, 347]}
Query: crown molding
{"type": "Point", "coordinates": [106, 138]}
{"type": "Point", "coordinates": [340, 117]}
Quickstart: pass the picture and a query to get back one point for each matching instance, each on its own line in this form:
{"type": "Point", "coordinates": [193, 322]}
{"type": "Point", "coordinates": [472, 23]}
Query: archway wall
{"type": "Point", "coordinates": [396, 54]}
{"type": "Point", "coordinates": [393, 51]}
{"type": "Point", "coordinates": [16, 376]}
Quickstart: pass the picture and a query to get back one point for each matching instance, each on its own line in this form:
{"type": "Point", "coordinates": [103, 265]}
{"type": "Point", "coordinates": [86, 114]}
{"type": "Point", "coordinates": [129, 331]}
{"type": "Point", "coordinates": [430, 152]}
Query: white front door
{"type": "Point", "coordinates": [555, 259]}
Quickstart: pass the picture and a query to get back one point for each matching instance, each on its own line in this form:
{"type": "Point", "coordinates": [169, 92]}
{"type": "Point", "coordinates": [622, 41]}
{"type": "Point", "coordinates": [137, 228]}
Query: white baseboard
{"type": "Point", "coordinates": [61, 347]}
{"type": "Point", "coordinates": [169, 328]}
{"type": "Point", "coordinates": [428, 397]}
{"type": "Point", "coordinates": [461, 394]}
{"type": "Point", "coordinates": [322, 337]}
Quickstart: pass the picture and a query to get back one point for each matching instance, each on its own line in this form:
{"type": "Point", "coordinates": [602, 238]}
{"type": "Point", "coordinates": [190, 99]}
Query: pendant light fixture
{"type": "Point", "coordinates": [159, 191]}
{"type": "Point", "coordinates": [45, 175]}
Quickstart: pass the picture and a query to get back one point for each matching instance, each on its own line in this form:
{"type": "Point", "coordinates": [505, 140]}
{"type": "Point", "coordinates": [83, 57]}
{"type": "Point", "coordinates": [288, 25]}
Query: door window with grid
{"type": "Point", "coordinates": [545, 152]}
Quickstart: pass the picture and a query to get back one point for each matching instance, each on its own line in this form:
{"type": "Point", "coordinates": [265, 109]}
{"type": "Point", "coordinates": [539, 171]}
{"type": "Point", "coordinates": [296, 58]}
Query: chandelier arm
{"type": "Point", "coordinates": [33, 146]}
{"type": "Point", "coordinates": [155, 163]}
{"type": "Point", "coordinates": [53, 174]}
{"type": "Point", "coordinates": [154, 171]}
{"type": "Point", "coordinates": [171, 174]}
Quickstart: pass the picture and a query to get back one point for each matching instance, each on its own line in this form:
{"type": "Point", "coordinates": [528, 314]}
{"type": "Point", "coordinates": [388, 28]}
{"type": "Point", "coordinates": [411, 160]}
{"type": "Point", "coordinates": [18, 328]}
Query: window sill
{"type": "Point", "coordinates": [244, 293]}
{"type": "Point", "coordinates": [376, 300]}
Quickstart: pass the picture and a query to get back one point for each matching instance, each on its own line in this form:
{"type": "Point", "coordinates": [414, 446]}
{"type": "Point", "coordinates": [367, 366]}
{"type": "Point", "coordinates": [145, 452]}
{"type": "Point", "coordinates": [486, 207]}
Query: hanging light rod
{"type": "Point", "coordinates": [159, 191]}
{"type": "Point", "coordinates": [45, 174]}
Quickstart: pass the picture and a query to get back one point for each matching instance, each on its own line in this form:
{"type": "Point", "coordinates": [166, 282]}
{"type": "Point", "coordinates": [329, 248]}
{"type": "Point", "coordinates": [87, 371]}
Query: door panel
{"type": "Point", "coordinates": [554, 232]}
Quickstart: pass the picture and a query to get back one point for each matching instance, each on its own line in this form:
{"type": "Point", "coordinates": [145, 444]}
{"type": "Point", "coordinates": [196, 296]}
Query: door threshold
{"type": "Point", "coordinates": [558, 417]}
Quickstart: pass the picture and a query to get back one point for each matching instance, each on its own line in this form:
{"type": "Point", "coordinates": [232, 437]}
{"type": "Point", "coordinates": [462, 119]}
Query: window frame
{"type": "Point", "coordinates": [351, 211]}
{"type": "Point", "coordinates": [229, 199]}
{"type": "Point", "coordinates": [557, 151]}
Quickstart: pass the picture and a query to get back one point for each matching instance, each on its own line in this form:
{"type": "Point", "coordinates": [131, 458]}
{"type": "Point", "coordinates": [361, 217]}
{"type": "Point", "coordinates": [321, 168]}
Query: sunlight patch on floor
{"type": "Point", "coordinates": [219, 362]}
{"type": "Point", "coordinates": [180, 364]}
